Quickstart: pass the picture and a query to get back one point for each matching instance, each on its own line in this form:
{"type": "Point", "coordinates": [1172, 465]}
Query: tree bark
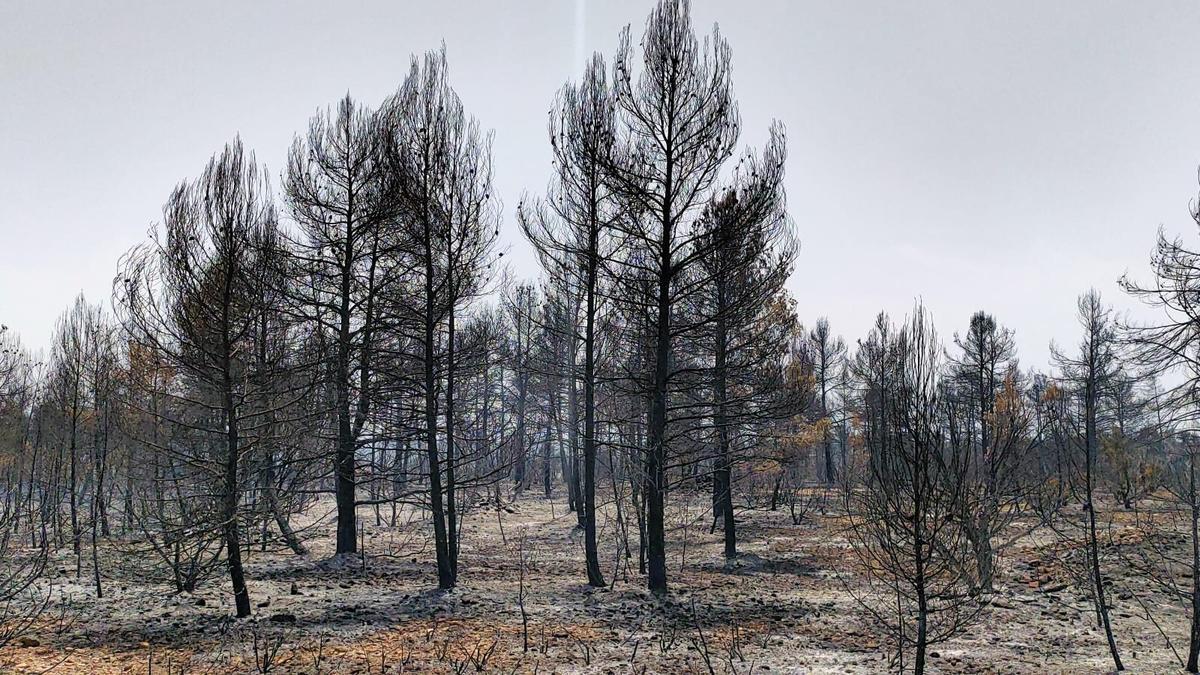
{"type": "Point", "coordinates": [344, 485]}
{"type": "Point", "coordinates": [591, 552]}
{"type": "Point", "coordinates": [1093, 545]}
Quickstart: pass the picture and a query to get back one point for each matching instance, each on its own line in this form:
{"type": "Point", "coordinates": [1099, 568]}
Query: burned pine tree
{"type": "Point", "coordinates": [188, 296]}
{"type": "Point", "coordinates": [1170, 346]}
{"type": "Point", "coordinates": [903, 518]}
{"type": "Point", "coordinates": [788, 440]}
{"type": "Point", "coordinates": [484, 435]}
{"type": "Point", "coordinates": [21, 602]}
{"type": "Point", "coordinates": [573, 233]}
{"type": "Point", "coordinates": [746, 252]}
{"type": "Point", "coordinates": [829, 366]}
{"type": "Point", "coordinates": [991, 432]}
{"type": "Point", "coordinates": [628, 377]}
{"type": "Point", "coordinates": [102, 381]}
{"type": "Point", "coordinates": [439, 178]}
{"type": "Point", "coordinates": [678, 125]}
{"type": "Point", "coordinates": [68, 384]}
{"type": "Point", "coordinates": [556, 391]}
{"type": "Point", "coordinates": [336, 191]}
{"type": "Point", "coordinates": [521, 306]}
{"type": "Point", "coordinates": [82, 367]}
{"type": "Point", "coordinates": [1087, 380]}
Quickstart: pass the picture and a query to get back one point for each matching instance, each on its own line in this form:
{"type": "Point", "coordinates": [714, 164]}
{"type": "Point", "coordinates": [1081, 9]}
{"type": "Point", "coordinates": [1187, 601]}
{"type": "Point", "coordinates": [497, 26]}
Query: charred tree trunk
{"type": "Point", "coordinates": [1193, 661]}
{"type": "Point", "coordinates": [344, 485]}
{"type": "Point", "coordinates": [451, 453]}
{"type": "Point", "coordinates": [1091, 395]}
{"type": "Point", "coordinates": [724, 475]}
{"type": "Point", "coordinates": [241, 595]}
{"type": "Point", "coordinates": [591, 552]}
{"type": "Point", "coordinates": [656, 553]}
{"type": "Point", "coordinates": [445, 566]}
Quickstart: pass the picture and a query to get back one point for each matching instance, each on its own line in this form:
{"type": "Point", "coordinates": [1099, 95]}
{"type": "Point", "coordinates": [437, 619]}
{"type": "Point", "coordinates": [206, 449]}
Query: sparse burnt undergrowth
{"type": "Point", "coordinates": [785, 604]}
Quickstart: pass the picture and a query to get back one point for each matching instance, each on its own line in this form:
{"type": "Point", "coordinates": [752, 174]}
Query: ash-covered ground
{"type": "Point", "coordinates": [787, 605]}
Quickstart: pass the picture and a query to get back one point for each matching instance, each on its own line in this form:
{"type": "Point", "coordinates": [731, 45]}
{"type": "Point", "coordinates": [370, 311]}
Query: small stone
{"type": "Point", "coordinates": [283, 617]}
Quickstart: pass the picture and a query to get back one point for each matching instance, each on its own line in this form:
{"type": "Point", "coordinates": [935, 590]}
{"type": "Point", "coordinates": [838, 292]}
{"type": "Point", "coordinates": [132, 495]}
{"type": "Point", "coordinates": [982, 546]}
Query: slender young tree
{"type": "Point", "coordinates": [521, 308]}
{"type": "Point", "coordinates": [829, 362]}
{"type": "Point", "coordinates": [1088, 377]}
{"type": "Point", "coordinates": [574, 236]}
{"type": "Point", "coordinates": [903, 519]}
{"type": "Point", "coordinates": [100, 375]}
{"type": "Point", "coordinates": [69, 364]}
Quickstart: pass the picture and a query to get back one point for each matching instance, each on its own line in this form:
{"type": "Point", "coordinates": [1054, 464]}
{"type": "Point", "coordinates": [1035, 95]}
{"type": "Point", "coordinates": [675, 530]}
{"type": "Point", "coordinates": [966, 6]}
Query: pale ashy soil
{"type": "Point", "coordinates": [784, 608]}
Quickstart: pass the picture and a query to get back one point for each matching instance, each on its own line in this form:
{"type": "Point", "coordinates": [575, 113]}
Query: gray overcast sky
{"type": "Point", "coordinates": [997, 155]}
